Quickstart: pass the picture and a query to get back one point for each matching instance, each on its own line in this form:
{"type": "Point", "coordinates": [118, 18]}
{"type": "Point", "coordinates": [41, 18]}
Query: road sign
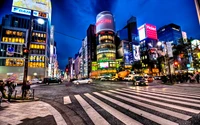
{"type": "Point", "coordinates": [10, 51]}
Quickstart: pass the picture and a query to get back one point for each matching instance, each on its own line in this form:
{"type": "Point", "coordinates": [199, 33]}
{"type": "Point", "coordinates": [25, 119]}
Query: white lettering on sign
{"type": "Point", "coordinates": [21, 11]}
{"type": "Point", "coordinates": [151, 27]}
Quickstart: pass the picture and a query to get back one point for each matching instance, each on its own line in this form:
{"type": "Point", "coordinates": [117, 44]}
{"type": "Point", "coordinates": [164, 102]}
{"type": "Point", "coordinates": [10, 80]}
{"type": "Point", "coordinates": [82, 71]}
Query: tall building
{"type": "Point", "coordinates": [197, 4]}
{"type": "Point", "coordinates": [15, 35]}
{"type": "Point", "coordinates": [128, 38]}
{"type": "Point", "coordinates": [170, 32]}
{"type": "Point", "coordinates": [148, 54]}
{"type": "Point", "coordinates": [91, 43]}
{"type": "Point", "coordinates": [106, 49]}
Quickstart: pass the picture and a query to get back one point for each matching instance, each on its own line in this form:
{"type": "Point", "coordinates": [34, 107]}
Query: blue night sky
{"type": "Point", "coordinates": [72, 17]}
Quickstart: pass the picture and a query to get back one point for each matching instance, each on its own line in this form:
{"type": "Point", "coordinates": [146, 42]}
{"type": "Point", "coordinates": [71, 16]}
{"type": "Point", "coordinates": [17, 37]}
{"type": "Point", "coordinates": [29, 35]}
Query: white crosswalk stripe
{"type": "Point", "coordinates": [147, 115]}
{"type": "Point", "coordinates": [165, 99]}
{"type": "Point", "coordinates": [124, 118]}
{"type": "Point", "coordinates": [162, 103]}
{"type": "Point", "coordinates": [144, 103]}
{"type": "Point", "coordinates": [172, 97]}
{"type": "Point", "coordinates": [95, 117]}
{"type": "Point", "coordinates": [169, 93]}
{"type": "Point", "coordinates": [168, 112]}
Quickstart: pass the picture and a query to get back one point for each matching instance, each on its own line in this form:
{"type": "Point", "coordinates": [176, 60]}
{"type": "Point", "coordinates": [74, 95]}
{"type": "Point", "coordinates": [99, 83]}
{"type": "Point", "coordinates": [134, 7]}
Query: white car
{"type": "Point", "coordinates": [82, 81]}
{"type": "Point", "coordinates": [34, 81]}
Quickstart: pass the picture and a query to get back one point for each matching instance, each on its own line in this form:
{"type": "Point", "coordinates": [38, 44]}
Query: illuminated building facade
{"type": "Point", "coordinates": [170, 32]}
{"type": "Point", "coordinates": [148, 52]}
{"type": "Point", "coordinates": [106, 49]}
{"type": "Point", "coordinates": [128, 37]}
{"type": "Point", "coordinates": [14, 36]}
{"type": "Point", "coordinates": [197, 4]}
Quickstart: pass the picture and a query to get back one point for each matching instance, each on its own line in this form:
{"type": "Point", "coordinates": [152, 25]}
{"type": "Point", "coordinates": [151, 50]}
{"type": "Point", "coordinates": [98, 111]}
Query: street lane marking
{"type": "Point", "coordinates": [161, 103]}
{"type": "Point", "coordinates": [169, 93]}
{"type": "Point", "coordinates": [165, 111]}
{"type": "Point", "coordinates": [91, 112]}
{"type": "Point", "coordinates": [122, 117]}
{"type": "Point", "coordinates": [142, 113]}
{"type": "Point", "coordinates": [170, 100]}
{"type": "Point", "coordinates": [67, 100]}
{"type": "Point", "coordinates": [173, 97]}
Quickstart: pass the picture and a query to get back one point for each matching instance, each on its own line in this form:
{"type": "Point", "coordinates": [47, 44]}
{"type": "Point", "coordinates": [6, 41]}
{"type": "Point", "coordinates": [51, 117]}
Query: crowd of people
{"type": "Point", "coordinates": [11, 85]}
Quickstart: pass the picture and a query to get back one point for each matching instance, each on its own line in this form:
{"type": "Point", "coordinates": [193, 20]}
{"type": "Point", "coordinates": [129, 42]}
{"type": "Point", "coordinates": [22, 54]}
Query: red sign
{"type": "Point", "coordinates": [151, 31]}
{"type": "Point", "coordinates": [103, 21]}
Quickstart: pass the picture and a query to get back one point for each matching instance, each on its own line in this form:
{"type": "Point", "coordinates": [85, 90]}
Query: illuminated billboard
{"type": "Point", "coordinates": [142, 33]}
{"type": "Point", "coordinates": [104, 22]}
{"type": "Point", "coordinates": [104, 64]}
{"type": "Point", "coordinates": [151, 31]}
{"type": "Point", "coordinates": [128, 56]}
{"type": "Point", "coordinates": [136, 52]}
{"type": "Point", "coordinates": [38, 5]}
{"type": "Point", "coordinates": [147, 31]}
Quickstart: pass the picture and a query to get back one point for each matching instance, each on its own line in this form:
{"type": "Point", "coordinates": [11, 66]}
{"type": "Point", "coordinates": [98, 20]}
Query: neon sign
{"type": "Point", "coordinates": [103, 21]}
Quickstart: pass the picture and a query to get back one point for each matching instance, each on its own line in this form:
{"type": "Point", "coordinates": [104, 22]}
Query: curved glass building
{"type": "Point", "coordinates": [106, 49]}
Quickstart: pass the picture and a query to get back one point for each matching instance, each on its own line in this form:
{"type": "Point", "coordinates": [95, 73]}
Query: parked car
{"type": "Point", "coordinates": [34, 81]}
{"type": "Point", "coordinates": [141, 81]}
{"type": "Point", "coordinates": [82, 81]}
{"type": "Point", "coordinates": [51, 80]}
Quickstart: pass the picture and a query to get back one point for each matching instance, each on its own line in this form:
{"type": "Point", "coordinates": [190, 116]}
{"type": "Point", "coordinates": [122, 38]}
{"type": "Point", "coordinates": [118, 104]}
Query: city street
{"type": "Point", "coordinates": [121, 103]}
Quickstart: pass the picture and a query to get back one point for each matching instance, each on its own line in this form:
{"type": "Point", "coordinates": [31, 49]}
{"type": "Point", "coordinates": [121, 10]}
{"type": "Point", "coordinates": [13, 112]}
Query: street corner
{"type": "Point", "coordinates": [34, 112]}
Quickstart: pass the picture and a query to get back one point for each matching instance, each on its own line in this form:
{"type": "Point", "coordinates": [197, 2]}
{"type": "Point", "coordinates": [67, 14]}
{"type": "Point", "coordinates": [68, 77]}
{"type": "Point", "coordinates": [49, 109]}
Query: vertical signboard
{"type": "Point", "coordinates": [128, 57]}
{"type": "Point", "coordinates": [136, 53]}
{"type": "Point", "coordinates": [169, 49]}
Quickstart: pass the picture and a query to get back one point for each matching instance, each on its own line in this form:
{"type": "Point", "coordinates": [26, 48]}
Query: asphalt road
{"type": "Point", "coordinates": [121, 103]}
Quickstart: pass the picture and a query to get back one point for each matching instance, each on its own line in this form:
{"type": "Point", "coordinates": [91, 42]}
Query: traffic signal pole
{"type": "Point", "coordinates": [28, 48]}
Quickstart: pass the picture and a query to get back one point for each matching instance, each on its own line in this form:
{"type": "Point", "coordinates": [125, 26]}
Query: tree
{"type": "Point", "coordinates": [137, 66]}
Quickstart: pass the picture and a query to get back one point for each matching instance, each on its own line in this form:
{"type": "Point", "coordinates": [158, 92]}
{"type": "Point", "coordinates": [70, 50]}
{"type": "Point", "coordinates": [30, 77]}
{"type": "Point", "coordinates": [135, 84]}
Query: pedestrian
{"type": "Point", "coordinates": [197, 77]}
{"type": "Point", "coordinates": [2, 88]}
{"type": "Point", "coordinates": [10, 89]}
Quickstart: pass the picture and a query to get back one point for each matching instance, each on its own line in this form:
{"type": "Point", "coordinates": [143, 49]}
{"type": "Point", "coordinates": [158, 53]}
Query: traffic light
{"type": "Point", "coordinates": [25, 52]}
{"type": "Point", "coordinates": [176, 63]}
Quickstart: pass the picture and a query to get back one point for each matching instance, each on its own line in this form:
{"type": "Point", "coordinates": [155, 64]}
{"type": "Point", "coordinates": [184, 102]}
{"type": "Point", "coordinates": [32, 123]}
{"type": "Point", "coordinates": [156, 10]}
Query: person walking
{"type": "Point", "coordinates": [197, 77]}
{"type": "Point", "coordinates": [10, 89]}
{"type": "Point", "coordinates": [2, 88]}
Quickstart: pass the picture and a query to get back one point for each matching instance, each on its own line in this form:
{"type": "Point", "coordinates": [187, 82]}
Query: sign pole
{"type": "Point", "coordinates": [28, 48]}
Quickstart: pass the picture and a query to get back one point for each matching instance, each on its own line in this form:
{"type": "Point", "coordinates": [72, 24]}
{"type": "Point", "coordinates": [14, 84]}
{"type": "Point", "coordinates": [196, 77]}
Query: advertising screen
{"type": "Point", "coordinates": [38, 5]}
{"type": "Point", "coordinates": [104, 65]}
{"type": "Point", "coordinates": [141, 31]}
{"type": "Point", "coordinates": [151, 31]}
{"type": "Point", "coordinates": [128, 57]}
{"type": "Point", "coordinates": [136, 52]}
{"type": "Point", "coordinates": [104, 21]}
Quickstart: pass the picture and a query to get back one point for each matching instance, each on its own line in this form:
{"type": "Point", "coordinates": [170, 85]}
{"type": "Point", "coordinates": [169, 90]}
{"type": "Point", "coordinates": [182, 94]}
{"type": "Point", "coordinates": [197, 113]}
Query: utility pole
{"type": "Point", "coordinates": [168, 63]}
{"type": "Point", "coordinates": [28, 48]}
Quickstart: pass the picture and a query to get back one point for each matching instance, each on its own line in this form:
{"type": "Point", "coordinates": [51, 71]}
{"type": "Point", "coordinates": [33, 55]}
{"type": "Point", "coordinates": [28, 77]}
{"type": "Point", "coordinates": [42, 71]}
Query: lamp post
{"type": "Point", "coordinates": [30, 29]}
{"type": "Point", "coordinates": [168, 61]}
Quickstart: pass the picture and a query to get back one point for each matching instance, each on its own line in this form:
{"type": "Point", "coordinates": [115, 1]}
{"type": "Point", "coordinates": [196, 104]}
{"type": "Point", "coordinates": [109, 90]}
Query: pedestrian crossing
{"type": "Point", "coordinates": [140, 105]}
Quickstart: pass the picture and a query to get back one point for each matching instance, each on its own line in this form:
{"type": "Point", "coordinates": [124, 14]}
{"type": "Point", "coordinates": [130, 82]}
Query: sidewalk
{"type": "Point", "coordinates": [29, 113]}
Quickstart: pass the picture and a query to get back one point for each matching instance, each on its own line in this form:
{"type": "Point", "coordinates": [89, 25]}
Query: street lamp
{"type": "Point", "coordinates": [159, 43]}
{"type": "Point", "coordinates": [40, 21]}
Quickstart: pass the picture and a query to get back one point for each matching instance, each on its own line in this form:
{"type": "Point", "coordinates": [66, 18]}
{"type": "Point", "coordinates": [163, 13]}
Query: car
{"type": "Point", "coordinates": [141, 81]}
{"type": "Point", "coordinates": [34, 81]}
{"type": "Point", "coordinates": [51, 80]}
{"type": "Point", "coordinates": [157, 77]}
{"type": "Point", "coordinates": [150, 79]}
{"type": "Point", "coordinates": [105, 78]}
{"type": "Point", "coordinates": [83, 81]}
{"type": "Point", "coordinates": [130, 77]}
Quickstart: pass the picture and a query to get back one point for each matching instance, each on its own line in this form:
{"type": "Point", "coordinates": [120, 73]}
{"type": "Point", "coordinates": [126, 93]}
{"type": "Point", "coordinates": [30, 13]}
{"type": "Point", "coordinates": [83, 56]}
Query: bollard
{"type": "Point", "coordinates": [15, 94]}
{"type": "Point", "coordinates": [33, 93]}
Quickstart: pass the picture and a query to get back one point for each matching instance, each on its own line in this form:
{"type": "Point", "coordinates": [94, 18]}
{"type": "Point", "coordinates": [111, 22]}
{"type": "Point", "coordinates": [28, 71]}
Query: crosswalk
{"type": "Point", "coordinates": [140, 105]}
